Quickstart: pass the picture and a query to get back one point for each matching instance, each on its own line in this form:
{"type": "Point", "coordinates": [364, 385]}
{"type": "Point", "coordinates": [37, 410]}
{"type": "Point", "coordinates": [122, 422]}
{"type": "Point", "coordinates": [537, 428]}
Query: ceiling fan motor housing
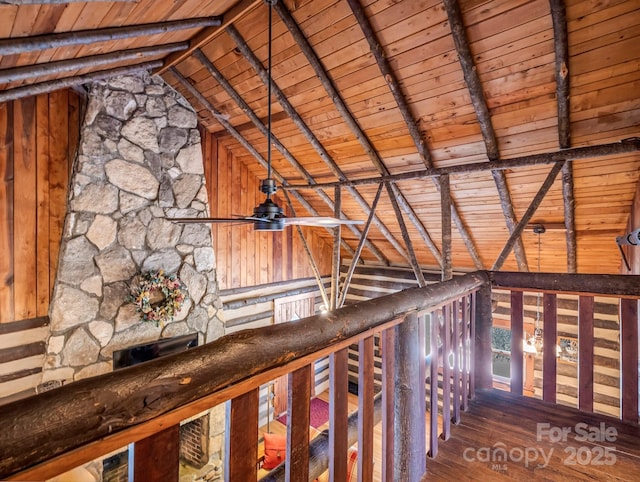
{"type": "Point", "coordinates": [272, 215]}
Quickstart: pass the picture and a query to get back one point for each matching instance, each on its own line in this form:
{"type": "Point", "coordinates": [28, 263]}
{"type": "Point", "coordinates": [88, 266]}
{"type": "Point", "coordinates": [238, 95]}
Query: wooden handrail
{"type": "Point", "coordinates": [90, 412]}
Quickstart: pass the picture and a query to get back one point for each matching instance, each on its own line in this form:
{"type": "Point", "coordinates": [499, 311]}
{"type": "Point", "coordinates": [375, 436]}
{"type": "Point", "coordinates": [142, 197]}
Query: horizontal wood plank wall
{"type": "Point", "coordinates": [606, 355]}
{"type": "Point", "coordinates": [38, 143]}
{"type": "Point", "coordinates": [245, 257]}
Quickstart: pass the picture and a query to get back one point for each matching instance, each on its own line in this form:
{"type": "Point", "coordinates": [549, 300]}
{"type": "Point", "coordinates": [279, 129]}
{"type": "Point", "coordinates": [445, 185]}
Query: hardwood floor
{"type": "Point", "coordinates": [541, 441]}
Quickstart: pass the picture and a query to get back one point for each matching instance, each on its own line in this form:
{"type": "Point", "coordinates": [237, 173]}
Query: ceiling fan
{"type": "Point", "coordinates": [268, 216]}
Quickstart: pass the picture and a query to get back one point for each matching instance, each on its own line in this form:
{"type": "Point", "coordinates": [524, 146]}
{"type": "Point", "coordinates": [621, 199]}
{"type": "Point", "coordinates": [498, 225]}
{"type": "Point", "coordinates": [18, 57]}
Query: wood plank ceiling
{"type": "Point", "coordinates": [461, 102]}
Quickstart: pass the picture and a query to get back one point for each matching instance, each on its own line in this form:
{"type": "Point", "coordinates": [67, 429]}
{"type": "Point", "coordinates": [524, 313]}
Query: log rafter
{"type": "Point", "coordinates": [11, 46]}
{"type": "Point", "coordinates": [349, 119]}
{"type": "Point", "coordinates": [243, 142]}
{"type": "Point", "coordinates": [474, 86]}
{"type": "Point", "coordinates": [587, 152]}
{"type": "Point", "coordinates": [51, 68]}
{"type": "Point", "coordinates": [412, 124]}
{"type": "Point", "coordinates": [313, 140]}
{"type": "Point", "coordinates": [561, 47]}
{"type": "Point", "coordinates": [526, 217]}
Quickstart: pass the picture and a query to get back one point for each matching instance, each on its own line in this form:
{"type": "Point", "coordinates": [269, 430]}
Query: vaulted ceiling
{"type": "Point", "coordinates": [510, 111]}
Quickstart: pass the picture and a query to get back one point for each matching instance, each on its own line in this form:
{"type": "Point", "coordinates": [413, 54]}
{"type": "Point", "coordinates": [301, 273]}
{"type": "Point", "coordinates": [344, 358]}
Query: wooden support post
{"type": "Point", "coordinates": [517, 340]}
{"type": "Point", "coordinates": [434, 330]}
{"type": "Point", "coordinates": [409, 450]}
{"type": "Point", "coordinates": [388, 342]}
{"type": "Point", "coordinates": [242, 437]}
{"type": "Point", "coordinates": [338, 414]}
{"type": "Point", "coordinates": [298, 401]}
{"type": "Point", "coordinates": [569, 217]}
{"type": "Point", "coordinates": [483, 356]}
{"type": "Point", "coordinates": [456, 361]}
{"type": "Point", "coordinates": [445, 208]}
{"type": "Point", "coordinates": [466, 302]}
{"type": "Point", "coordinates": [335, 265]}
{"type": "Point", "coordinates": [629, 357]}
{"type": "Point", "coordinates": [365, 409]}
{"type": "Point", "coordinates": [585, 353]}
{"type": "Point", "coordinates": [157, 457]}
{"type": "Point", "coordinates": [446, 373]}
{"type": "Point", "coordinates": [473, 300]}
{"type": "Point", "coordinates": [549, 343]}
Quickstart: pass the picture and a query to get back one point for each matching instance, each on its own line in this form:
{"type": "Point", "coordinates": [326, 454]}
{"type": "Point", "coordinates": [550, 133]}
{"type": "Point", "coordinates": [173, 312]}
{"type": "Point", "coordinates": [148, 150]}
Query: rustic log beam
{"type": "Point", "coordinates": [405, 235]}
{"type": "Point", "coordinates": [445, 203]}
{"type": "Point", "coordinates": [584, 284]}
{"type": "Point", "coordinates": [535, 203]}
{"type": "Point", "coordinates": [312, 261]}
{"type": "Point", "coordinates": [312, 139]}
{"type": "Point", "coordinates": [52, 68]}
{"type": "Point", "coordinates": [561, 47]}
{"type": "Point", "coordinates": [51, 85]}
{"type": "Point", "coordinates": [500, 179]}
{"type": "Point", "coordinates": [18, 45]}
{"type": "Point", "coordinates": [249, 112]}
{"type": "Point", "coordinates": [623, 146]}
{"type": "Point", "coordinates": [481, 108]}
{"type": "Point", "coordinates": [39, 428]}
{"type": "Point", "coordinates": [356, 256]}
{"type": "Point", "coordinates": [239, 10]}
{"type": "Point", "coordinates": [335, 265]}
{"type": "Point", "coordinates": [347, 116]}
{"type": "Point", "coordinates": [53, 2]}
{"type": "Point", "coordinates": [410, 440]}
{"type": "Point", "coordinates": [243, 142]}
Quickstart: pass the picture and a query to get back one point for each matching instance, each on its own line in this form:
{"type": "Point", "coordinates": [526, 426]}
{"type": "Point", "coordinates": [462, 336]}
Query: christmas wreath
{"type": "Point", "coordinates": [158, 296]}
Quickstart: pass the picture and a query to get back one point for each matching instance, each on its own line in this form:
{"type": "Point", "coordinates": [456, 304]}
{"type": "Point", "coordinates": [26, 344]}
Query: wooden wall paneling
{"type": "Point", "coordinates": [585, 356]}
{"type": "Point", "coordinates": [60, 167]}
{"type": "Point", "coordinates": [25, 232]}
{"type": "Point", "coordinates": [236, 231]}
{"type": "Point", "coordinates": [222, 209]}
{"type": "Point", "coordinates": [245, 230]}
{"type": "Point", "coordinates": [43, 285]}
{"type": "Point", "coordinates": [549, 334]}
{"type": "Point", "coordinates": [6, 212]}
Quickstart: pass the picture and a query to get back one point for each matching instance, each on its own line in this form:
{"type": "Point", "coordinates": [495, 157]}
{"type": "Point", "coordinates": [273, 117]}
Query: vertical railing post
{"type": "Point", "coordinates": [410, 443]}
{"type": "Point", "coordinates": [157, 457]}
{"type": "Point", "coordinates": [549, 343]}
{"type": "Point", "coordinates": [338, 413]}
{"type": "Point", "coordinates": [446, 373]}
{"type": "Point", "coordinates": [629, 356]}
{"type": "Point", "coordinates": [387, 340]}
{"type": "Point", "coordinates": [585, 353]}
{"type": "Point", "coordinates": [242, 437]}
{"type": "Point", "coordinates": [299, 400]}
{"type": "Point", "coordinates": [434, 328]}
{"type": "Point", "coordinates": [517, 339]}
{"type": "Point", "coordinates": [365, 409]}
{"type": "Point", "coordinates": [483, 356]}
{"type": "Point", "coordinates": [465, 351]}
{"type": "Point", "coordinates": [456, 362]}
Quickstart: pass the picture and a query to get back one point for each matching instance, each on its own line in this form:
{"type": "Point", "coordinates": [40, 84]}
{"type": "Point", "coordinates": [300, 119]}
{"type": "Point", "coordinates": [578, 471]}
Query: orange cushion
{"type": "Point", "coordinates": [275, 450]}
{"type": "Point", "coordinates": [352, 465]}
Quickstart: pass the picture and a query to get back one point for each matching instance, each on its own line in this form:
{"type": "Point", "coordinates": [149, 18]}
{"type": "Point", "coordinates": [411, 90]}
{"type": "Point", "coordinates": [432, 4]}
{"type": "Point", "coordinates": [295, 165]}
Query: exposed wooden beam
{"type": "Point", "coordinates": [346, 115]}
{"type": "Point", "coordinates": [405, 235]}
{"type": "Point", "coordinates": [56, 2]}
{"type": "Point", "coordinates": [535, 203]}
{"type": "Point", "coordinates": [51, 85]}
{"type": "Point", "coordinates": [412, 124]}
{"type": "Point", "coordinates": [588, 152]}
{"type": "Point", "coordinates": [202, 38]}
{"type": "Point", "coordinates": [52, 68]}
{"type": "Point", "coordinates": [311, 138]}
{"type": "Point", "coordinates": [18, 45]}
{"type": "Point", "coordinates": [445, 202]}
{"type": "Point", "coordinates": [335, 265]}
{"type": "Point", "coordinates": [481, 108]}
{"type": "Point", "coordinates": [307, 250]}
{"type": "Point", "coordinates": [356, 256]}
{"type": "Point", "coordinates": [561, 47]}
{"type": "Point", "coordinates": [243, 142]}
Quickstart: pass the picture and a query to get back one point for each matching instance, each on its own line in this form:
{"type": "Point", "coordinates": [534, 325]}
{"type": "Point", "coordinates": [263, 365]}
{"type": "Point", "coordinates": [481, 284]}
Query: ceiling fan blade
{"type": "Point", "coordinates": [211, 220]}
{"type": "Point", "coordinates": [324, 221]}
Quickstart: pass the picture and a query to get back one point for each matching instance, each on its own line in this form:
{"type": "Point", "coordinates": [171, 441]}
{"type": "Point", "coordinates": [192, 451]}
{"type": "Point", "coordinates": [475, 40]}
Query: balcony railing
{"type": "Point", "coordinates": [53, 432]}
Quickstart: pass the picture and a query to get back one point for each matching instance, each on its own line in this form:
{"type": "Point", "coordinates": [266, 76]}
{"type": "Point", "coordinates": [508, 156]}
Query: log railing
{"type": "Point", "coordinates": [625, 288]}
{"type": "Point", "coordinates": [55, 431]}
